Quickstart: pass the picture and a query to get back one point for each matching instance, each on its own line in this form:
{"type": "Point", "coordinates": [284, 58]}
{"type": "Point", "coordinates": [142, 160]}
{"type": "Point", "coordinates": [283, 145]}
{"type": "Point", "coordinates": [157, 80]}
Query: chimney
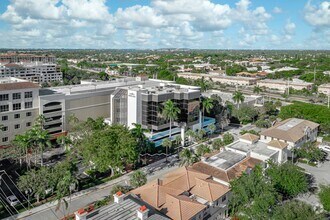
{"type": "Point", "coordinates": [118, 197]}
{"type": "Point", "coordinates": [81, 214]}
{"type": "Point", "coordinates": [142, 213]}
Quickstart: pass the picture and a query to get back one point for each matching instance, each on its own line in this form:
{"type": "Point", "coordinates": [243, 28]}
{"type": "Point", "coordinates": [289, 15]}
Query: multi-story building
{"type": "Point", "coordinates": [19, 107]}
{"type": "Point", "coordinates": [293, 131]}
{"type": "Point", "coordinates": [283, 85]}
{"type": "Point", "coordinates": [125, 101]}
{"type": "Point", "coordinates": [19, 57]}
{"type": "Point", "coordinates": [34, 72]}
{"type": "Point", "coordinates": [223, 79]}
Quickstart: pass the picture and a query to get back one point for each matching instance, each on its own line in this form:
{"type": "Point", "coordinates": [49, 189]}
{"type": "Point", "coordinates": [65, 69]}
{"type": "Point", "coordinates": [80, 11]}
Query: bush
{"type": "Point", "coordinates": [217, 144]}
{"type": "Point", "coordinates": [121, 188]}
{"type": "Point", "coordinates": [324, 196]}
{"type": "Point", "coordinates": [249, 131]}
{"type": "Point", "coordinates": [138, 178]}
{"type": "Point", "coordinates": [228, 138]}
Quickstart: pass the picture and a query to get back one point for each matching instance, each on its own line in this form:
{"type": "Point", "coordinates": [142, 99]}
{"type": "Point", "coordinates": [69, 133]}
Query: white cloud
{"type": "Point", "coordinates": [277, 10]}
{"type": "Point", "coordinates": [290, 27]}
{"type": "Point", "coordinates": [319, 15]}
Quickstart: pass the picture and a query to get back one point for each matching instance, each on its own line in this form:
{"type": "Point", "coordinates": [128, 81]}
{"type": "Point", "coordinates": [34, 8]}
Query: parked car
{"type": "Point", "coordinates": [12, 200]}
{"type": "Point", "coordinates": [325, 148]}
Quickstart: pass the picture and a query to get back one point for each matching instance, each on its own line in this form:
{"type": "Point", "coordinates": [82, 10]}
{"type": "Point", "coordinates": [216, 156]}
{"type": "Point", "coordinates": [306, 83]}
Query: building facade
{"type": "Point", "coordinates": [283, 85]}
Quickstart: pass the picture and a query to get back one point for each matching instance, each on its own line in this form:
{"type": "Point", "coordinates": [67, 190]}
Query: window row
{"type": "Point", "coordinates": [16, 116]}
{"type": "Point", "coordinates": [17, 95]}
{"type": "Point", "coordinates": [16, 126]}
{"type": "Point", "coordinates": [16, 106]}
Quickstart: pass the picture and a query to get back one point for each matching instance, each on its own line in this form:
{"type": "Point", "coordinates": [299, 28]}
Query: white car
{"type": "Point", "coordinates": [325, 148]}
{"type": "Point", "coordinates": [12, 200]}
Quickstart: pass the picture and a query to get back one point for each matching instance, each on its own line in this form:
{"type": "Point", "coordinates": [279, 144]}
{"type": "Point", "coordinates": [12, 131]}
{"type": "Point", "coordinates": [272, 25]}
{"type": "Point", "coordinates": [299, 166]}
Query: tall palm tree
{"type": "Point", "coordinates": [207, 105]}
{"type": "Point", "coordinates": [23, 142]}
{"type": "Point", "coordinates": [238, 97]}
{"type": "Point", "coordinates": [190, 134]}
{"type": "Point", "coordinates": [139, 133]}
{"type": "Point", "coordinates": [257, 89]}
{"type": "Point", "coordinates": [41, 140]}
{"type": "Point", "coordinates": [187, 157]}
{"type": "Point", "coordinates": [170, 112]}
{"type": "Point", "coordinates": [167, 143]}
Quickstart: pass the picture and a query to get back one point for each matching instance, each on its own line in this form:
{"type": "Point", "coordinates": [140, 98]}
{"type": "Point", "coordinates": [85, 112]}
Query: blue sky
{"type": "Point", "coordinates": [149, 24]}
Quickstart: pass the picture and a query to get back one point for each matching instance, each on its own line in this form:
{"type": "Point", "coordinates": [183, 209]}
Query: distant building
{"type": "Point", "coordinates": [26, 58]}
{"type": "Point", "coordinates": [283, 85]}
{"type": "Point", "coordinates": [19, 107]}
{"type": "Point", "coordinates": [325, 89]}
{"type": "Point", "coordinates": [294, 132]}
{"type": "Point", "coordinates": [223, 79]}
{"type": "Point", "coordinates": [33, 72]}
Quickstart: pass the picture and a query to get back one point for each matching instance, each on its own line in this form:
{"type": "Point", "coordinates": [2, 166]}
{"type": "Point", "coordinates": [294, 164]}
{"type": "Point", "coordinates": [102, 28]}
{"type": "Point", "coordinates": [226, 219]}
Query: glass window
{"type": "Point", "coordinates": [4, 118]}
{"type": "Point", "coordinates": [4, 128]}
{"type": "Point", "coordinates": [28, 95]}
{"type": "Point", "coordinates": [4, 97]}
{"type": "Point", "coordinates": [28, 104]}
{"type": "Point", "coordinates": [17, 116]}
{"type": "Point", "coordinates": [28, 114]}
{"type": "Point", "coordinates": [16, 106]}
{"type": "Point", "coordinates": [4, 139]}
{"type": "Point", "coordinates": [4, 108]}
{"type": "Point", "coordinates": [17, 126]}
{"type": "Point", "coordinates": [16, 95]}
{"type": "Point", "coordinates": [28, 124]}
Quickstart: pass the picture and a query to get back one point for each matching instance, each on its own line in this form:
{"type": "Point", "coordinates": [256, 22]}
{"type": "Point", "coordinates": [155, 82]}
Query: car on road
{"type": "Point", "coordinates": [12, 200]}
{"type": "Point", "coordinates": [325, 148]}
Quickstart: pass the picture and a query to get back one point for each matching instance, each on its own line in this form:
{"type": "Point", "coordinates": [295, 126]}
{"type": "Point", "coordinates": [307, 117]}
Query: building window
{"type": "Point", "coordinates": [16, 95]}
{"type": "Point", "coordinates": [28, 104]}
{"type": "Point", "coordinates": [16, 106]}
{"type": "Point", "coordinates": [4, 139]}
{"type": "Point", "coordinates": [28, 124]}
{"type": "Point", "coordinates": [4, 128]}
{"type": "Point", "coordinates": [28, 114]}
{"type": "Point", "coordinates": [18, 126]}
{"type": "Point", "coordinates": [28, 95]}
{"type": "Point", "coordinates": [4, 97]}
{"type": "Point", "coordinates": [17, 116]}
{"type": "Point", "coordinates": [4, 118]}
{"type": "Point", "coordinates": [4, 108]}
{"type": "Point", "coordinates": [224, 198]}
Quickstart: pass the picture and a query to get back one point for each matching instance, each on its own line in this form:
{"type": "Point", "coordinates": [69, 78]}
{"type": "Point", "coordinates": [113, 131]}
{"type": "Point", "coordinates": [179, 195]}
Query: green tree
{"type": "Point", "coordinates": [217, 144]}
{"type": "Point", "coordinates": [238, 97]}
{"type": "Point", "coordinates": [138, 178]}
{"type": "Point", "coordinates": [310, 151]}
{"type": "Point", "coordinates": [252, 196]}
{"type": "Point", "coordinates": [288, 179]}
{"type": "Point", "coordinates": [207, 105]}
{"type": "Point", "coordinates": [245, 114]}
{"type": "Point", "coordinates": [167, 143]}
{"type": "Point", "coordinates": [23, 141]}
{"type": "Point", "coordinates": [119, 188]}
{"type": "Point", "coordinates": [139, 133]}
{"type": "Point", "coordinates": [64, 141]}
{"type": "Point", "coordinates": [113, 147]}
{"type": "Point", "coordinates": [40, 139]}
{"type": "Point", "coordinates": [202, 149]}
{"type": "Point", "coordinates": [212, 128]}
{"type": "Point", "coordinates": [170, 112]}
{"type": "Point", "coordinates": [324, 196]}
{"type": "Point", "coordinates": [295, 209]}
{"type": "Point", "coordinates": [190, 134]}
{"type": "Point", "coordinates": [228, 138]}
{"type": "Point", "coordinates": [187, 157]}
{"type": "Point", "coordinates": [64, 187]}
{"type": "Point", "coordinates": [257, 89]}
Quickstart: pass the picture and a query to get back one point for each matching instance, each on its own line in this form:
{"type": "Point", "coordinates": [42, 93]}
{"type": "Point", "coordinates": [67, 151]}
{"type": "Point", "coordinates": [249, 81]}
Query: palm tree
{"type": "Point", "coordinates": [23, 142]}
{"type": "Point", "coordinates": [212, 128]}
{"type": "Point", "coordinates": [41, 140]}
{"type": "Point", "coordinates": [167, 143]}
{"type": "Point", "coordinates": [257, 89]}
{"type": "Point", "coordinates": [190, 134]}
{"type": "Point", "coordinates": [238, 97]}
{"type": "Point", "coordinates": [139, 133]}
{"type": "Point", "coordinates": [170, 112]}
{"type": "Point", "coordinates": [187, 157]}
{"type": "Point", "coordinates": [207, 105]}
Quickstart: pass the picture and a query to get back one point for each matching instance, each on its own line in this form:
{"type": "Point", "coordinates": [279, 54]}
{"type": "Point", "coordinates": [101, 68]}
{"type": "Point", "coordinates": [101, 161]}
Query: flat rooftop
{"type": "Point", "coordinates": [125, 210]}
{"type": "Point", "coordinates": [225, 159]}
{"type": "Point", "coordinates": [258, 147]}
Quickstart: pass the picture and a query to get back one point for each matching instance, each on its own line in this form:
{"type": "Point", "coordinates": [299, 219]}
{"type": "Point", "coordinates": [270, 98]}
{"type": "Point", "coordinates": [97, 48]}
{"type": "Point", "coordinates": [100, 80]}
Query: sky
{"type": "Point", "coordinates": [153, 24]}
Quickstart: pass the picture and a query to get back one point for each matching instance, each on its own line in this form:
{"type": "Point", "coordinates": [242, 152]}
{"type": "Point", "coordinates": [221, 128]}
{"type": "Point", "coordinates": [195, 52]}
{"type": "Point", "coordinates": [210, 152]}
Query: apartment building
{"type": "Point", "coordinates": [325, 89]}
{"type": "Point", "coordinates": [37, 72]}
{"type": "Point", "coordinates": [223, 79]}
{"type": "Point", "coordinates": [19, 107]}
{"type": "Point", "coordinates": [13, 57]}
{"type": "Point", "coordinates": [283, 85]}
{"type": "Point", "coordinates": [293, 131]}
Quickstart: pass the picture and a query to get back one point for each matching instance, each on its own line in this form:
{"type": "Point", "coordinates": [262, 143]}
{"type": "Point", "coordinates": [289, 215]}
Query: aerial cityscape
{"type": "Point", "coordinates": [164, 109]}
